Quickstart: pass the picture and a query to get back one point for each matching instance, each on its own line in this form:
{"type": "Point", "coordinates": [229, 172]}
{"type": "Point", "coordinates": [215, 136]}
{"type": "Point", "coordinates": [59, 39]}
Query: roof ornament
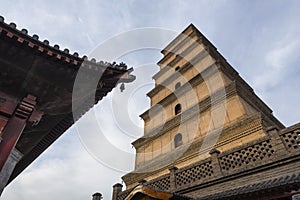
{"type": "Point", "coordinates": [56, 46]}
{"type": "Point", "coordinates": [36, 37]}
{"type": "Point", "coordinates": [122, 87]}
{"type": "Point", "coordinates": [13, 25]}
{"type": "Point", "coordinates": [97, 196]}
{"type": "Point", "coordinates": [24, 31]}
{"type": "Point", "coordinates": [66, 51]}
{"type": "Point", "coordinates": [123, 65]}
{"type": "Point", "coordinates": [46, 42]}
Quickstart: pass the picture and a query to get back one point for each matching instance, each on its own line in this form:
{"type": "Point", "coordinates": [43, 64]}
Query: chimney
{"type": "Point", "coordinates": [97, 196]}
{"type": "Point", "coordinates": [117, 188]}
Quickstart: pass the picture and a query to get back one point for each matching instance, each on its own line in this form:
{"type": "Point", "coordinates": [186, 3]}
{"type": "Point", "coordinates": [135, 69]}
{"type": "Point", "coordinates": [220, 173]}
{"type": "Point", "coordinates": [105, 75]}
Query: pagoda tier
{"type": "Point", "coordinates": [207, 134]}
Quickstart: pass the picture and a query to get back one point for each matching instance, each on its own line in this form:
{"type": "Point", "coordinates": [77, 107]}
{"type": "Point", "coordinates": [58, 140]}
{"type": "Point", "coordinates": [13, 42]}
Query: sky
{"type": "Point", "coordinates": [260, 39]}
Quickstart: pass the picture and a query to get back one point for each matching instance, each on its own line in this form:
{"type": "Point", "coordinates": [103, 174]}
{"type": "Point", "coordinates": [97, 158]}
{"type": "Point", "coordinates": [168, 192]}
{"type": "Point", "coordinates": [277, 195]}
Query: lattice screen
{"type": "Point", "coordinates": [193, 174]}
{"type": "Point", "coordinates": [247, 156]}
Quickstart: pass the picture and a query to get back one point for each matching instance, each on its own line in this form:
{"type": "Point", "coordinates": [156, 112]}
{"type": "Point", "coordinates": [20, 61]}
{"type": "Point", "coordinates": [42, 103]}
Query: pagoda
{"type": "Point", "coordinates": [207, 134]}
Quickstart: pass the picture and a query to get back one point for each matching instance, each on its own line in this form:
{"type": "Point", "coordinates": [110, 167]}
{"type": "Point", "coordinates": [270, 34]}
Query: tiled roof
{"type": "Point", "coordinates": [43, 47]}
{"type": "Point", "coordinates": [276, 184]}
{"type": "Point", "coordinates": [147, 190]}
{"type": "Point", "coordinates": [20, 43]}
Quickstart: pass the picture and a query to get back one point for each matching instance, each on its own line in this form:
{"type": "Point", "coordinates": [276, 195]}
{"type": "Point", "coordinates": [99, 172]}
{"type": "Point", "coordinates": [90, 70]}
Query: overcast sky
{"type": "Point", "coordinates": [260, 39]}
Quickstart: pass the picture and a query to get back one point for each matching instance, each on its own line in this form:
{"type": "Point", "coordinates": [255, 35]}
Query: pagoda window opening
{"type": "Point", "coordinates": [177, 68]}
{"type": "Point", "coordinates": [177, 85]}
{"type": "Point", "coordinates": [178, 140]}
{"type": "Point", "coordinates": [177, 109]}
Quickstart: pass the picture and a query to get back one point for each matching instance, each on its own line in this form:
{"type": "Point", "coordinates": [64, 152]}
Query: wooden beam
{"type": "Point", "coordinates": [15, 127]}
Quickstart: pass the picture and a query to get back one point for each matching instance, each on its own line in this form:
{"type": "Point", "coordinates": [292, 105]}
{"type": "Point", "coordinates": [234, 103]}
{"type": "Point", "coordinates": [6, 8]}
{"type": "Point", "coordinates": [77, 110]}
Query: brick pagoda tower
{"type": "Point", "coordinates": [206, 126]}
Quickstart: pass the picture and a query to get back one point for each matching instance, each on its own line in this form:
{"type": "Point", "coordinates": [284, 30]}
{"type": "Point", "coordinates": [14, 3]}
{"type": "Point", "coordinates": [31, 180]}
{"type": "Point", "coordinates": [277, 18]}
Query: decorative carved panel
{"type": "Point", "coordinates": [193, 174]}
{"type": "Point", "coordinates": [247, 156]}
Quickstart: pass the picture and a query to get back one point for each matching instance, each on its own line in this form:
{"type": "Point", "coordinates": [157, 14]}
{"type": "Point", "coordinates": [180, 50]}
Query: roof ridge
{"type": "Point", "coordinates": [44, 46]}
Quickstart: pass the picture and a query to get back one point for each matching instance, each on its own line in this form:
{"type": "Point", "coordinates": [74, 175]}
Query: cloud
{"type": "Point", "coordinates": [260, 39]}
{"type": "Point", "coordinates": [279, 61]}
{"type": "Point", "coordinates": [69, 172]}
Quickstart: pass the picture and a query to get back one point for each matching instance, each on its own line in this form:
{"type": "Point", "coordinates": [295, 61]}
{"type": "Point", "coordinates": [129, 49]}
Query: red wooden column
{"type": "Point", "coordinates": [15, 126]}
